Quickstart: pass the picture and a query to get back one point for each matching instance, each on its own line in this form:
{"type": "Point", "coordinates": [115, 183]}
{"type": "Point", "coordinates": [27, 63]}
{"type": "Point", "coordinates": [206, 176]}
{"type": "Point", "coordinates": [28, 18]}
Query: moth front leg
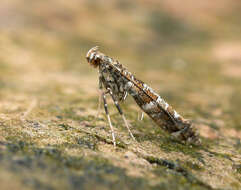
{"type": "Point", "coordinates": [140, 116]}
{"type": "Point", "coordinates": [102, 96]}
{"type": "Point", "coordinates": [108, 117]}
{"type": "Point", "coordinates": [121, 112]}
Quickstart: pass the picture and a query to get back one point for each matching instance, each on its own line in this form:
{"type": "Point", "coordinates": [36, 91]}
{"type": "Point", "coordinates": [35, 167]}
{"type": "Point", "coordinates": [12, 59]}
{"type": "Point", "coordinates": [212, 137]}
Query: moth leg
{"type": "Point", "coordinates": [140, 116]}
{"type": "Point", "coordinates": [121, 113]}
{"type": "Point", "coordinates": [108, 117]}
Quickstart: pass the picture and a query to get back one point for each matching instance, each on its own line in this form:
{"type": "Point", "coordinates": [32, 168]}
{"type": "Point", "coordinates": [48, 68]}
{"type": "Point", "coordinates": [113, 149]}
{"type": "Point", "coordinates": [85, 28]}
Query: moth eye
{"type": "Point", "coordinates": [97, 56]}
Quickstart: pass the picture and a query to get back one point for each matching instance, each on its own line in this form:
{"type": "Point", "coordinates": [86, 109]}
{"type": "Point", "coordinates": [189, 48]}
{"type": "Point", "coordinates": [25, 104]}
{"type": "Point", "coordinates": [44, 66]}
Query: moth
{"type": "Point", "coordinates": [118, 82]}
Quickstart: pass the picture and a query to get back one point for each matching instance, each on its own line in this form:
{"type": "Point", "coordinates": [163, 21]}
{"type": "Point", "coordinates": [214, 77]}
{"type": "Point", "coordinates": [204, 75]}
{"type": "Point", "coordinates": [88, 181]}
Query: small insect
{"type": "Point", "coordinates": [116, 81]}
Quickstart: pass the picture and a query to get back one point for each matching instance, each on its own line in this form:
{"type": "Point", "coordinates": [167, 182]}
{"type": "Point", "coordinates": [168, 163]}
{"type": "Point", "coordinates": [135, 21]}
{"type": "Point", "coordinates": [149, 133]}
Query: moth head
{"type": "Point", "coordinates": [93, 56]}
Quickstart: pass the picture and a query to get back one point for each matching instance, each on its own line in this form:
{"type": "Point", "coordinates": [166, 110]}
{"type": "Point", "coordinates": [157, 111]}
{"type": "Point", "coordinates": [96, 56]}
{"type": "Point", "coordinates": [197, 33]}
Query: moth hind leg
{"type": "Point", "coordinates": [121, 113]}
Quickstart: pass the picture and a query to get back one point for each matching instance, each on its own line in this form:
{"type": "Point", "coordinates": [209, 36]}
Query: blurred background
{"type": "Point", "coordinates": [189, 52]}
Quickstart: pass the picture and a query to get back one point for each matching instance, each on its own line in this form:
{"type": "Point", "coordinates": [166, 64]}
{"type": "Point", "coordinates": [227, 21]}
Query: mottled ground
{"type": "Point", "coordinates": [189, 53]}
